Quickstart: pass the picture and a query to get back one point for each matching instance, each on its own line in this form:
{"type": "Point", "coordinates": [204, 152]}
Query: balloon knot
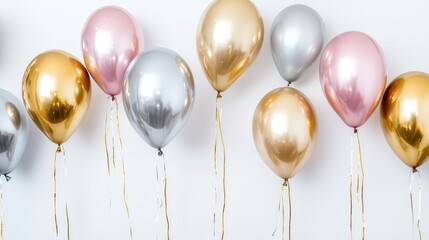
{"type": "Point", "coordinates": [286, 182]}
{"type": "Point", "coordinates": [219, 95]}
{"type": "Point", "coordinates": [113, 97]}
{"type": "Point", "coordinates": [59, 148]}
{"type": "Point", "coordinates": [415, 170]}
{"type": "Point", "coordinates": [355, 130]}
{"type": "Point", "coordinates": [7, 177]}
{"type": "Point", "coordinates": [160, 153]}
{"type": "Point", "coordinates": [289, 83]}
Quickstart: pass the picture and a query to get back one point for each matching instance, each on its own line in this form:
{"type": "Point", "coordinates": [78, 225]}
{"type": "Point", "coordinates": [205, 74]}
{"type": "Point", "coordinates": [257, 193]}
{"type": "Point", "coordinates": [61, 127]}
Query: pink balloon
{"type": "Point", "coordinates": [111, 39]}
{"type": "Point", "coordinates": [353, 76]}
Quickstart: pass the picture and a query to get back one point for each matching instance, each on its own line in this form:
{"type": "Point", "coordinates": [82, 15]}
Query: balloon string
{"type": "Point", "coordinates": [281, 207]}
{"type": "Point", "coordinates": [215, 169]}
{"type": "Point", "coordinates": [162, 197]}
{"type": "Point", "coordinates": [360, 183]}
{"type": "Point", "coordinates": [290, 208]}
{"type": "Point", "coordinates": [55, 191]}
{"type": "Point", "coordinates": [1, 211]}
{"type": "Point", "coordinates": [124, 176]}
{"type": "Point", "coordinates": [414, 170]}
{"type": "Point", "coordinates": [112, 129]}
{"type": "Point", "coordinates": [106, 145]}
{"type": "Point", "coordinates": [286, 184]}
{"type": "Point", "coordinates": [158, 197]}
{"type": "Point", "coordinates": [1, 206]}
{"type": "Point", "coordinates": [283, 211]}
{"type": "Point", "coordinates": [218, 132]}
{"type": "Point", "coordinates": [66, 205]}
{"type": "Point", "coordinates": [351, 189]}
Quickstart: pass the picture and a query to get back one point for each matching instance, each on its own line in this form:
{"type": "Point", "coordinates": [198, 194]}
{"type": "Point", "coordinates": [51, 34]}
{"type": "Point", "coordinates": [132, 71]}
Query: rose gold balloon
{"type": "Point", "coordinates": [229, 38]}
{"type": "Point", "coordinates": [405, 117]}
{"type": "Point", "coordinates": [111, 39]}
{"type": "Point", "coordinates": [284, 130]}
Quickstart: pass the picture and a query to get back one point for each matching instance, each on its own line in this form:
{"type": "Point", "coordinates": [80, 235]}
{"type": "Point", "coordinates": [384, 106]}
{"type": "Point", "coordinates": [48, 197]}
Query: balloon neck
{"type": "Point", "coordinates": [355, 130]}
{"type": "Point", "coordinates": [7, 177]}
{"type": "Point", "coordinates": [415, 170]}
{"type": "Point", "coordinates": [59, 148]}
{"type": "Point", "coordinates": [113, 97]}
{"type": "Point", "coordinates": [289, 83]}
{"type": "Point", "coordinates": [160, 153]}
{"type": "Point", "coordinates": [219, 95]}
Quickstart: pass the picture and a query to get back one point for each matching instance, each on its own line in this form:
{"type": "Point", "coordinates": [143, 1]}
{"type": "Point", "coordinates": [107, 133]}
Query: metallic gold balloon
{"type": "Point", "coordinates": [405, 117]}
{"type": "Point", "coordinates": [284, 130]}
{"type": "Point", "coordinates": [56, 90]}
{"type": "Point", "coordinates": [229, 38]}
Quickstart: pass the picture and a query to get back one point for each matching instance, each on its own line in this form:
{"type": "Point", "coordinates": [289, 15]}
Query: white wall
{"type": "Point", "coordinates": [319, 191]}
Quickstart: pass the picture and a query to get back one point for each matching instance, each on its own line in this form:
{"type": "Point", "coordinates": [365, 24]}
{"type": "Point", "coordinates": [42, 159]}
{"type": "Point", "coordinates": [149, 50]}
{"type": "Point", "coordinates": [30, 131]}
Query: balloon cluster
{"type": "Point", "coordinates": [159, 91]}
{"type": "Point", "coordinates": [285, 123]}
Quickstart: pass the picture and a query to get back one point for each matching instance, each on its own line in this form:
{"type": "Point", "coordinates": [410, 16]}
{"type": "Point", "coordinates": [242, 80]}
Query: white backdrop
{"type": "Point", "coordinates": [319, 191]}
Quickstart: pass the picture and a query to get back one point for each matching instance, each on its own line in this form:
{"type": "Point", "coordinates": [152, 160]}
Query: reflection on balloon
{"type": "Point", "coordinates": [353, 76]}
{"type": "Point", "coordinates": [14, 130]}
{"type": "Point", "coordinates": [56, 90]}
{"type": "Point", "coordinates": [284, 130]}
{"type": "Point", "coordinates": [296, 40]}
{"type": "Point", "coordinates": [229, 38]}
{"type": "Point", "coordinates": [111, 39]}
{"type": "Point", "coordinates": [158, 96]}
{"type": "Point", "coordinates": [405, 117]}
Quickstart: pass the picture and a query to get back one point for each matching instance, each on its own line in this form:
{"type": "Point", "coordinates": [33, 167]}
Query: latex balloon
{"type": "Point", "coordinates": [14, 129]}
{"type": "Point", "coordinates": [111, 39]}
{"type": "Point", "coordinates": [285, 130]}
{"type": "Point", "coordinates": [229, 38]}
{"type": "Point", "coordinates": [158, 95]}
{"type": "Point", "coordinates": [296, 40]}
{"type": "Point", "coordinates": [353, 76]}
{"type": "Point", "coordinates": [56, 90]}
{"type": "Point", "coordinates": [405, 117]}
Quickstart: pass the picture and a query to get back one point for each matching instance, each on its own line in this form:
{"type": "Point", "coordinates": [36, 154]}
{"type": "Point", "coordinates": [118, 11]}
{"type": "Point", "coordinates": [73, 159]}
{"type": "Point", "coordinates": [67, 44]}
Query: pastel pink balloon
{"type": "Point", "coordinates": [353, 76]}
{"type": "Point", "coordinates": [111, 39]}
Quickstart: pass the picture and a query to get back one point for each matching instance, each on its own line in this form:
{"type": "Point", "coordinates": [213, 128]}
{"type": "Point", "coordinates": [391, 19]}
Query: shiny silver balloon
{"type": "Point", "coordinates": [296, 40]}
{"type": "Point", "coordinates": [14, 130]}
{"type": "Point", "coordinates": [158, 95]}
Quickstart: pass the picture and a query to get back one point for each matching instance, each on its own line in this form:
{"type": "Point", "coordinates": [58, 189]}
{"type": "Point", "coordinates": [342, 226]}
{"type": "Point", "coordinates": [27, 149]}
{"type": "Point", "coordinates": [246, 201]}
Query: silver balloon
{"type": "Point", "coordinates": [296, 40]}
{"type": "Point", "coordinates": [14, 129]}
{"type": "Point", "coordinates": [158, 95]}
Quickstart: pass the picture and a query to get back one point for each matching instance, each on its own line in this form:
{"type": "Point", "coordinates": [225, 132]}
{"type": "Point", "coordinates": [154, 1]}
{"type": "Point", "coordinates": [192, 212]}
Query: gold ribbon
{"type": "Point", "coordinates": [162, 197]}
{"type": "Point", "coordinates": [281, 207]}
{"type": "Point", "coordinates": [359, 185]}
{"type": "Point", "coordinates": [1, 211]}
{"type": "Point", "coordinates": [124, 176]}
{"type": "Point", "coordinates": [60, 149]}
{"type": "Point", "coordinates": [415, 171]}
{"type": "Point", "coordinates": [218, 132]}
{"type": "Point", "coordinates": [112, 156]}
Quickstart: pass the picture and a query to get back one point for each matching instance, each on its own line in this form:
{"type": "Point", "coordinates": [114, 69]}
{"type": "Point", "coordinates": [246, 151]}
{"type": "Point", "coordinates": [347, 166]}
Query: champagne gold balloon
{"type": "Point", "coordinates": [405, 117]}
{"type": "Point", "coordinates": [229, 38]}
{"type": "Point", "coordinates": [56, 91]}
{"type": "Point", "coordinates": [284, 130]}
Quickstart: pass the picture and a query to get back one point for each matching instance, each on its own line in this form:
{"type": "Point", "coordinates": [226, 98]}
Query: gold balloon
{"type": "Point", "coordinates": [405, 117]}
{"type": "Point", "coordinates": [284, 130]}
{"type": "Point", "coordinates": [229, 38]}
{"type": "Point", "coordinates": [56, 90]}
